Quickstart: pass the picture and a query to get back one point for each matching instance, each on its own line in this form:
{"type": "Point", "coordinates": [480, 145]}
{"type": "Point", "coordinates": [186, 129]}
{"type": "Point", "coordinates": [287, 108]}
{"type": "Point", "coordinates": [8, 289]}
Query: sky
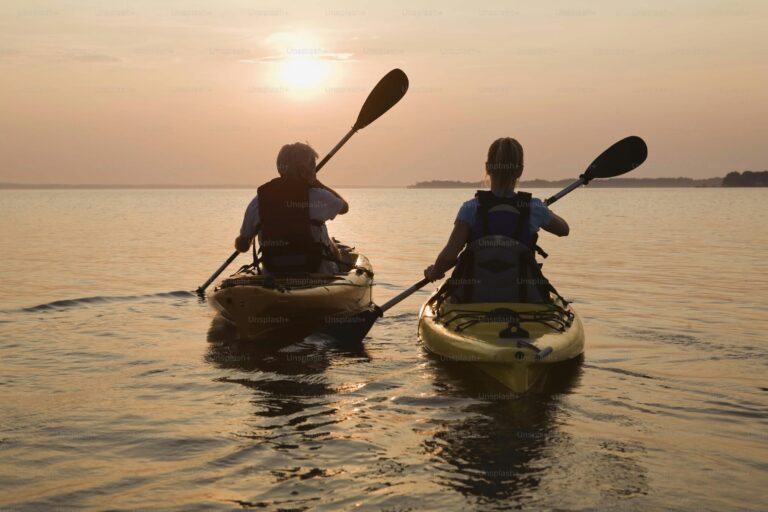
{"type": "Point", "coordinates": [194, 93]}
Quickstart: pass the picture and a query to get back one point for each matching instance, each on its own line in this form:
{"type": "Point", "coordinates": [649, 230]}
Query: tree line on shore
{"type": "Point", "coordinates": [732, 179]}
{"type": "Point", "coordinates": [746, 179]}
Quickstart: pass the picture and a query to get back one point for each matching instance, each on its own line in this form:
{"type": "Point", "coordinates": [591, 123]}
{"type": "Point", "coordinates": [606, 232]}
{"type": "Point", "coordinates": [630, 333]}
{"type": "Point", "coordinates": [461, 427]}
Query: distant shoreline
{"type": "Point", "coordinates": [92, 186]}
{"type": "Point", "coordinates": [611, 183]}
{"type": "Point", "coordinates": [733, 179]}
{"type": "Point", "coordinates": [56, 186]}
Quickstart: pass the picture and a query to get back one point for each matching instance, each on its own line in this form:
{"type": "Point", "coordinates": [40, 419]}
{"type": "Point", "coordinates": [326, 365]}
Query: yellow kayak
{"type": "Point", "coordinates": [284, 309]}
{"type": "Point", "coordinates": [513, 343]}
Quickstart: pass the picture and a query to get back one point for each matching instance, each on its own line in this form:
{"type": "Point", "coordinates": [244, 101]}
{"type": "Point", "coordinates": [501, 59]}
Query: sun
{"type": "Point", "coordinates": [303, 73]}
{"type": "Point", "coordinates": [303, 66]}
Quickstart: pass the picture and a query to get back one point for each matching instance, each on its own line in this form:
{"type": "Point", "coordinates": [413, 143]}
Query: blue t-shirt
{"type": "Point", "coordinates": [540, 214]}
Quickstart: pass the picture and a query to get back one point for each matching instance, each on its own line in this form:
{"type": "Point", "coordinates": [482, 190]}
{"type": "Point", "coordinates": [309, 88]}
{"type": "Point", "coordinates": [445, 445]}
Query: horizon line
{"type": "Point", "coordinates": [149, 186]}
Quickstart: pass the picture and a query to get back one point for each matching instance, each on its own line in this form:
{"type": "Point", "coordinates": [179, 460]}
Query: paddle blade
{"type": "Point", "coordinates": [349, 329]}
{"type": "Point", "coordinates": [618, 159]}
{"type": "Point", "coordinates": [383, 97]}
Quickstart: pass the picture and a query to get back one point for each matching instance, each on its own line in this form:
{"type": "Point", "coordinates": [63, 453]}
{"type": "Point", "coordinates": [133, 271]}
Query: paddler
{"type": "Point", "coordinates": [498, 211]}
{"type": "Point", "coordinates": [289, 214]}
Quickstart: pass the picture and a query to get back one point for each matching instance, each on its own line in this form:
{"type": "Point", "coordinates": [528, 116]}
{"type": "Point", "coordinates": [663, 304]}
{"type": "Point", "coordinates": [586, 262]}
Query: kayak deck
{"type": "Point", "coordinates": [288, 308]}
{"type": "Point", "coordinates": [481, 334]}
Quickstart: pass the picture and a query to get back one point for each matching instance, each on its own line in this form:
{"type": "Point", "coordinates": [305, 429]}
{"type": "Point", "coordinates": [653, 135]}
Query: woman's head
{"type": "Point", "coordinates": [505, 163]}
{"type": "Point", "coordinates": [297, 160]}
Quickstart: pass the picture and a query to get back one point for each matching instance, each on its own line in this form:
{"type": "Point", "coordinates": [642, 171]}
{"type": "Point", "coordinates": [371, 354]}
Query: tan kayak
{"type": "Point", "coordinates": [481, 334]}
{"type": "Point", "coordinates": [284, 309]}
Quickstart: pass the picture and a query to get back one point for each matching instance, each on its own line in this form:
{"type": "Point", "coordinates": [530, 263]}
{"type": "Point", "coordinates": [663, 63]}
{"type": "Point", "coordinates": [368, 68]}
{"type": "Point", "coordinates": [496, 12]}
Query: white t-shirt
{"type": "Point", "coordinates": [323, 206]}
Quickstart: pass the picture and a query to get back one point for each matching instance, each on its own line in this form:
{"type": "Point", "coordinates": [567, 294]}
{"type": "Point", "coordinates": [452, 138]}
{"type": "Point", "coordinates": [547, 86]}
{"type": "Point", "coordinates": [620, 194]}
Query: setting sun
{"type": "Point", "coordinates": [301, 64]}
{"type": "Point", "coordinates": [303, 73]}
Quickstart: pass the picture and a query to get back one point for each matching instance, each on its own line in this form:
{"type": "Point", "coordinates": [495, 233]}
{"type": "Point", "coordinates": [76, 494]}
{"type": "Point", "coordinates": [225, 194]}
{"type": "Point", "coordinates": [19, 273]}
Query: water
{"type": "Point", "coordinates": [117, 392]}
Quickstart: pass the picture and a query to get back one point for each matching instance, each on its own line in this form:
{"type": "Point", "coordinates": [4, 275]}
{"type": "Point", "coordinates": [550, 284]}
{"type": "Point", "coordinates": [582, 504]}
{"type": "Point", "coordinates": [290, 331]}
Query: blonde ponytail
{"type": "Point", "coordinates": [504, 164]}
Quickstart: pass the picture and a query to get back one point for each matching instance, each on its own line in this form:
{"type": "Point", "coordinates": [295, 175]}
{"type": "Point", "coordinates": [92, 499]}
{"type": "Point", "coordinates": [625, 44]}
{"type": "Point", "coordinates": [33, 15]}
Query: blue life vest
{"type": "Point", "coordinates": [505, 216]}
{"type": "Point", "coordinates": [498, 264]}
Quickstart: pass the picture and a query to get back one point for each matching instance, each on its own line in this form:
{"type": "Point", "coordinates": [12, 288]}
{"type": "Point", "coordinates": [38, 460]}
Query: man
{"type": "Point", "coordinates": [289, 213]}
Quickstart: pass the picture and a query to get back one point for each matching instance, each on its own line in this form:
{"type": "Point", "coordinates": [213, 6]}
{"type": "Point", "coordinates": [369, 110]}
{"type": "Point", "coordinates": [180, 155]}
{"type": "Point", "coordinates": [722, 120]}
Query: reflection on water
{"type": "Point", "coordinates": [508, 448]}
{"type": "Point", "coordinates": [130, 399]}
{"type": "Point", "coordinates": [491, 453]}
{"type": "Point", "coordinates": [288, 383]}
{"type": "Point", "coordinates": [494, 453]}
{"type": "Point", "coordinates": [308, 357]}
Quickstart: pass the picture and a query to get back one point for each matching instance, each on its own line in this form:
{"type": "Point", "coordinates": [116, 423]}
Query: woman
{"type": "Point", "coordinates": [504, 168]}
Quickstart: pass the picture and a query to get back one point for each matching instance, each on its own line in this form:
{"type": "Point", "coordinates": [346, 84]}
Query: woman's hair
{"type": "Point", "coordinates": [292, 157]}
{"type": "Point", "coordinates": [505, 162]}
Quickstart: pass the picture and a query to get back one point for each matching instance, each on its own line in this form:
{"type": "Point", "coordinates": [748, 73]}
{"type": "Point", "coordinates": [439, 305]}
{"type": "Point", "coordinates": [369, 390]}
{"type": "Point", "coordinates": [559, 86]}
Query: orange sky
{"type": "Point", "coordinates": [189, 92]}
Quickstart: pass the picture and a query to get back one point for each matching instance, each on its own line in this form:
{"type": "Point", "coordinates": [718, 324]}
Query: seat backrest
{"type": "Point", "coordinates": [499, 269]}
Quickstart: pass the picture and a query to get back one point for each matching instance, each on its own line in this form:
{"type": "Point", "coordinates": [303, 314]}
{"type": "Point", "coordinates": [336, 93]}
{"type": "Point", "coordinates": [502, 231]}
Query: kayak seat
{"type": "Point", "coordinates": [498, 269]}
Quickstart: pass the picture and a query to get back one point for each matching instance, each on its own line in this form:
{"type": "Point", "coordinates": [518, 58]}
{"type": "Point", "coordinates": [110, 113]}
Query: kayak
{"type": "Point", "coordinates": [514, 343]}
{"type": "Point", "coordinates": [284, 309]}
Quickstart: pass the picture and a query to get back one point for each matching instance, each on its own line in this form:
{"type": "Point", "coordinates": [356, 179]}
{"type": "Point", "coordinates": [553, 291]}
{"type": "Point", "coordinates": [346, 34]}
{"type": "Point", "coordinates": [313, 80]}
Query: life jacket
{"type": "Point", "coordinates": [285, 229]}
{"type": "Point", "coordinates": [498, 264]}
{"type": "Point", "coordinates": [506, 216]}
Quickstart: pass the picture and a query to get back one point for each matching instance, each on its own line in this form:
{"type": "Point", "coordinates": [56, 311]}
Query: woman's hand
{"type": "Point", "coordinates": [450, 253]}
{"type": "Point", "coordinates": [432, 274]}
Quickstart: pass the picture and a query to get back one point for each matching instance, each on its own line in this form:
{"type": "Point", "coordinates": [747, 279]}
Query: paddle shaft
{"type": "Point", "coordinates": [567, 190]}
{"type": "Point", "coordinates": [404, 295]}
{"type": "Point", "coordinates": [337, 147]}
{"type": "Point", "coordinates": [224, 265]}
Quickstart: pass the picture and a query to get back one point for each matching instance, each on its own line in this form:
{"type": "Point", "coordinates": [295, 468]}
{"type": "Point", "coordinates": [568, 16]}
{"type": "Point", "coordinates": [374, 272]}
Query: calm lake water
{"type": "Point", "coordinates": [116, 391]}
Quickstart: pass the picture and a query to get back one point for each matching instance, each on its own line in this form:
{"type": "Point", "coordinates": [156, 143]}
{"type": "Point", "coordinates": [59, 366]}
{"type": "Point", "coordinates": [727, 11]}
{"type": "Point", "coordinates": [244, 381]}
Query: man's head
{"type": "Point", "coordinates": [297, 160]}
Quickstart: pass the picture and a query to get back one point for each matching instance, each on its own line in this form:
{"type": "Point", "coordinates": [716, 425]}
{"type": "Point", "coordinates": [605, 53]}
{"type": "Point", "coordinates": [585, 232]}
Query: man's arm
{"type": "Point", "coordinates": [247, 231]}
{"type": "Point", "coordinates": [344, 208]}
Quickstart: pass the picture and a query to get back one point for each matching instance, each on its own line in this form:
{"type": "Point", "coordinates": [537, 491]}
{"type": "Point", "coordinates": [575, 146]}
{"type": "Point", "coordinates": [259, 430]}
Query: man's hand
{"type": "Point", "coordinates": [317, 184]}
{"type": "Point", "coordinates": [242, 243]}
{"type": "Point", "coordinates": [431, 274]}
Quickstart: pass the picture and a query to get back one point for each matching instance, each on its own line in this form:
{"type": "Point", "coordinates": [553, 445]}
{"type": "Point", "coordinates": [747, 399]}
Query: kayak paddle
{"type": "Point", "coordinates": [354, 328]}
{"type": "Point", "coordinates": [622, 157]}
{"type": "Point", "coordinates": [385, 95]}
{"type": "Point", "coordinates": [618, 159]}
{"type": "Point", "coordinates": [390, 89]}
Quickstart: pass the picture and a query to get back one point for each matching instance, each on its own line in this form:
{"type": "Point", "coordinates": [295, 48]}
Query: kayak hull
{"type": "Point", "coordinates": [521, 362]}
{"type": "Point", "coordinates": [282, 310]}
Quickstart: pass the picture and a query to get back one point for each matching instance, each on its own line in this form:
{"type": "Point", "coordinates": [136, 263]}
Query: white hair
{"type": "Point", "coordinates": [292, 157]}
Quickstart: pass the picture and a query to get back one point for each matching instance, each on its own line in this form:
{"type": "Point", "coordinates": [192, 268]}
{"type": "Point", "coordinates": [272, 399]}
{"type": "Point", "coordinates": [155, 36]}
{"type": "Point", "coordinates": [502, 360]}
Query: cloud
{"type": "Point", "coordinates": [96, 57]}
{"type": "Point", "coordinates": [298, 45]}
{"type": "Point", "coordinates": [300, 53]}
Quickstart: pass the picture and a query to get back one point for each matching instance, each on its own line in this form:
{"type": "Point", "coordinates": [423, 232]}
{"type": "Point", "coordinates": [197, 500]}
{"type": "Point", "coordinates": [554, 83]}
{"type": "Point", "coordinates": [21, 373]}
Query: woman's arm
{"type": "Point", "coordinates": [450, 253]}
{"type": "Point", "coordinates": [557, 225]}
